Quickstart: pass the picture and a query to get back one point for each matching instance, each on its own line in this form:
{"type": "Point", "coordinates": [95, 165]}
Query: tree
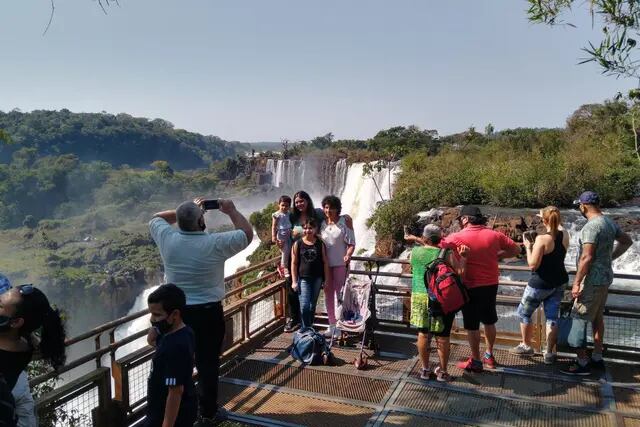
{"type": "Point", "coordinates": [322, 142]}
{"type": "Point", "coordinates": [616, 53]}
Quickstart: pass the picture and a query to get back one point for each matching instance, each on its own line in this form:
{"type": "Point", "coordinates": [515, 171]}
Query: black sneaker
{"type": "Point", "coordinates": [221, 416]}
{"type": "Point", "coordinates": [597, 364]}
{"type": "Point", "coordinates": [576, 369]}
{"type": "Point", "coordinates": [288, 327]}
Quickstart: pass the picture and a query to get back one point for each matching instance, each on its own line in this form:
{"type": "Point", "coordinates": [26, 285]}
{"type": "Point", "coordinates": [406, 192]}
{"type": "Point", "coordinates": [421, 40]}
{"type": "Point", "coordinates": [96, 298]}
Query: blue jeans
{"type": "Point", "coordinates": [532, 298]}
{"type": "Point", "coordinates": [309, 290]}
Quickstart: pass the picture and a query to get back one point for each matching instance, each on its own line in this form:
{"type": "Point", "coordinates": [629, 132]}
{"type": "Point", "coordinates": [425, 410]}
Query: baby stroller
{"type": "Point", "coordinates": [353, 312]}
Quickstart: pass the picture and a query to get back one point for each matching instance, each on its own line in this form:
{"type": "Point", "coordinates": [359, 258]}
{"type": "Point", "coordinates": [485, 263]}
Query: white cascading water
{"type": "Point", "coordinates": [271, 168]}
{"type": "Point", "coordinates": [339, 178]}
{"type": "Point", "coordinates": [141, 323]}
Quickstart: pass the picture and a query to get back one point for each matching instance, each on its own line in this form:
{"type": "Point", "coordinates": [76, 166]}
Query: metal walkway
{"type": "Point", "coordinates": [268, 387]}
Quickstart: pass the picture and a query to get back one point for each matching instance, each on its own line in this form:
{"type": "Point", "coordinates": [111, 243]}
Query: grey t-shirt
{"type": "Point", "coordinates": [194, 261]}
{"type": "Point", "coordinates": [601, 232]}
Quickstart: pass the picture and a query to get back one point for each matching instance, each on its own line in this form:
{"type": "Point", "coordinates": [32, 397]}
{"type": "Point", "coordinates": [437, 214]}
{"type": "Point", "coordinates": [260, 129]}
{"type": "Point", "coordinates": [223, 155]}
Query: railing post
{"type": "Point", "coordinates": [97, 347]}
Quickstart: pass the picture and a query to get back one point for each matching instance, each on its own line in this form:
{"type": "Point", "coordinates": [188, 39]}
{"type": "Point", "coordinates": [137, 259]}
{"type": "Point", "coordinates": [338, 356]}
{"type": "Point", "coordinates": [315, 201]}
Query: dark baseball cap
{"type": "Point", "coordinates": [470, 211]}
{"type": "Point", "coordinates": [588, 198]}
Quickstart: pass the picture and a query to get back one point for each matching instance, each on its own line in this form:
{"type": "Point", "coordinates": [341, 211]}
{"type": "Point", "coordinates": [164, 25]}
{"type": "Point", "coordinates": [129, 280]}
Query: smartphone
{"type": "Point", "coordinates": [210, 204]}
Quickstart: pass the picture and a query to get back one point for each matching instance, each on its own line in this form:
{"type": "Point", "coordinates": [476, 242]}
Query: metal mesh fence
{"type": "Point", "coordinates": [622, 331]}
{"type": "Point", "coordinates": [236, 319]}
{"type": "Point", "coordinates": [76, 412]}
{"type": "Point", "coordinates": [138, 376]}
{"type": "Point", "coordinates": [261, 313]}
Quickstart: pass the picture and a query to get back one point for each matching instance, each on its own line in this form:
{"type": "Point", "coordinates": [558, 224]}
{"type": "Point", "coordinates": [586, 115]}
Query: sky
{"type": "Point", "coordinates": [258, 70]}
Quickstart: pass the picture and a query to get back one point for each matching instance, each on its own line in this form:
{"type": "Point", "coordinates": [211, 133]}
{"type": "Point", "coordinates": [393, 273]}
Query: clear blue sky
{"type": "Point", "coordinates": [261, 70]}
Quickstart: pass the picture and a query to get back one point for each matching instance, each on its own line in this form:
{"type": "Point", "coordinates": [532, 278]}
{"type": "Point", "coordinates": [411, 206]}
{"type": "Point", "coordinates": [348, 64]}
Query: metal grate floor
{"type": "Point", "coordinates": [522, 392]}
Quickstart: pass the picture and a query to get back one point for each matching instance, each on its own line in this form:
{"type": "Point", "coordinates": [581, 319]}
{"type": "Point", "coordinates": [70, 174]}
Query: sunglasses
{"type": "Point", "coordinates": [25, 289]}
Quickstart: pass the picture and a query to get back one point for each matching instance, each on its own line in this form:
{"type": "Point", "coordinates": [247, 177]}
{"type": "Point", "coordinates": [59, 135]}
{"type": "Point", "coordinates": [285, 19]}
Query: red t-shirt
{"type": "Point", "coordinates": [482, 261]}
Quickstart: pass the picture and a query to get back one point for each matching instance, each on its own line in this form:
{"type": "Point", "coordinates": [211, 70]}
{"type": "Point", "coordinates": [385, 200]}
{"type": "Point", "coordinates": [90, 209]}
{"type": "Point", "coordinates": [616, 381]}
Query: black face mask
{"type": "Point", "coordinates": [5, 323]}
{"type": "Point", "coordinates": [203, 225]}
{"type": "Point", "coordinates": [163, 326]}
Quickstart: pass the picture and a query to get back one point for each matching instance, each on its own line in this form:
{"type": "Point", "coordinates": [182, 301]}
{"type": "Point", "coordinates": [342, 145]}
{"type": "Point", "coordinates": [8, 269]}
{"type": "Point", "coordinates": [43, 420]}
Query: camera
{"type": "Point", "coordinates": [530, 235]}
{"type": "Point", "coordinates": [210, 204]}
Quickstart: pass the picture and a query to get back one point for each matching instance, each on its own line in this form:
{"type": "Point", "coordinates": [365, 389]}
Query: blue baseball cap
{"type": "Point", "coordinates": [588, 198]}
{"type": "Point", "coordinates": [5, 284]}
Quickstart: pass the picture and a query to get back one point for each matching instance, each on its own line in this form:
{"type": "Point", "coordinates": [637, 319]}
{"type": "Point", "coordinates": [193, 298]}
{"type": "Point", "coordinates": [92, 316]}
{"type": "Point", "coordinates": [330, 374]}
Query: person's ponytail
{"type": "Point", "coordinates": [52, 338]}
{"type": "Point", "coordinates": [551, 217]}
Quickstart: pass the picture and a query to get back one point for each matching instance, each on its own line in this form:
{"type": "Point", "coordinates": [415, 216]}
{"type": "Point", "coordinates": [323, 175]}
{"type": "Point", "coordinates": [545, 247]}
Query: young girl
{"type": "Point", "coordinates": [281, 232]}
{"type": "Point", "coordinates": [309, 267]}
{"type": "Point", "coordinates": [24, 310]}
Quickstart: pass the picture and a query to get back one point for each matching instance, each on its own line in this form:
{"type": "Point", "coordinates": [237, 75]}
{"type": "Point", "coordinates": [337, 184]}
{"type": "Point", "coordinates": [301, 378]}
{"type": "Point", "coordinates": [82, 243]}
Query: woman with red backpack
{"type": "Point", "coordinates": [421, 317]}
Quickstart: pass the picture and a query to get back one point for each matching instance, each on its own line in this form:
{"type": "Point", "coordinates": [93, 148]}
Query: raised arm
{"type": "Point", "coordinates": [239, 221]}
{"type": "Point", "coordinates": [535, 252]}
{"type": "Point", "coordinates": [169, 216]}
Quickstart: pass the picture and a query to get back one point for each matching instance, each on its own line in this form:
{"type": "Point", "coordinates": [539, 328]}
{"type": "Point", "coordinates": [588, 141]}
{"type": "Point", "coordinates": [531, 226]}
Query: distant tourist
{"type": "Point", "coordinates": [171, 395]}
{"type": "Point", "coordinates": [309, 269]}
{"type": "Point", "coordinates": [194, 261]}
{"type": "Point", "coordinates": [481, 279]}
{"type": "Point", "coordinates": [545, 256]}
{"type": "Point", "coordinates": [421, 257]}
{"type": "Point", "coordinates": [302, 210]}
{"type": "Point", "coordinates": [338, 236]}
{"type": "Point", "coordinates": [23, 310]}
{"type": "Point", "coordinates": [594, 276]}
{"type": "Point", "coordinates": [281, 233]}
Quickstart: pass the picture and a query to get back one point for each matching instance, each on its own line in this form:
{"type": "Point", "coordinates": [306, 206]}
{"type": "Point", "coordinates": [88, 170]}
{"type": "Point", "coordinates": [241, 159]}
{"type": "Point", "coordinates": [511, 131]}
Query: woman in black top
{"type": "Point", "coordinates": [309, 268]}
{"type": "Point", "coordinates": [302, 211]}
{"type": "Point", "coordinates": [23, 311]}
{"type": "Point", "coordinates": [545, 257]}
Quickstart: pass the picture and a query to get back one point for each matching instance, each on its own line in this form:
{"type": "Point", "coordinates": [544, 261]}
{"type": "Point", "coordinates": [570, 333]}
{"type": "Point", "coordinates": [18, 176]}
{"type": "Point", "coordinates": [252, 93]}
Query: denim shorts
{"type": "Point", "coordinates": [532, 298]}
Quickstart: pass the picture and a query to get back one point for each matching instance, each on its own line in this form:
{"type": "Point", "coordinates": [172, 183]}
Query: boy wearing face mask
{"type": "Point", "coordinates": [171, 397]}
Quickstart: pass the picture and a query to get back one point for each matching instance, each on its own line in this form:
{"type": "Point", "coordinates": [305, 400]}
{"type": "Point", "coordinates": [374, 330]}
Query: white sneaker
{"type": "Point", "coordinates": [330, 331]}
{"type": "Point", "coordinates": [521, 349]}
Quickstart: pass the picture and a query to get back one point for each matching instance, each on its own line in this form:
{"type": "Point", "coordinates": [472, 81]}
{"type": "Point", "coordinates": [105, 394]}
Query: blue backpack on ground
{"type": "Point", "coordinates": [310, 348]}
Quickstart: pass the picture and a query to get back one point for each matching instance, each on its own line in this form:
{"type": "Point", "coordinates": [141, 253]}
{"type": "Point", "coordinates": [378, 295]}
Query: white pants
{"type": "Point", "coordinates": [25, 407]}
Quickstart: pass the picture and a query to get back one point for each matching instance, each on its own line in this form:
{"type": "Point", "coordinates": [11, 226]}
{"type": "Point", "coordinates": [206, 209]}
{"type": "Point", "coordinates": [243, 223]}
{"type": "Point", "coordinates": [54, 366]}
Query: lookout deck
{"type": "Point", "coordinates": [268, 387]}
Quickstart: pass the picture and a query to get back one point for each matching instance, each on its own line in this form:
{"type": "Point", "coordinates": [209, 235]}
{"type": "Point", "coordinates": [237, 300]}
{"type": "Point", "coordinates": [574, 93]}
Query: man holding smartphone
{"type": "Point", "coordinates": [194, 261]}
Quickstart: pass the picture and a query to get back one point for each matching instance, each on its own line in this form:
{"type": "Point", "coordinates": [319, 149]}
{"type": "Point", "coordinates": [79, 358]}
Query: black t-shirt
{"type": "Point", "coordinates": [12, 363]}
{"type": "Point", "coordinates": [310, 263]}
{"type": "Point", "coordinates": [172, 365]}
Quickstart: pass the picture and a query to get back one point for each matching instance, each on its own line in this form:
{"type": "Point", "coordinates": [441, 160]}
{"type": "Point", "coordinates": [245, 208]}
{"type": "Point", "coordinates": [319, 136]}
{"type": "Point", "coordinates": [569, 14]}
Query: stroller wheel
{"type": "Point", "coordinates": [360, 362]}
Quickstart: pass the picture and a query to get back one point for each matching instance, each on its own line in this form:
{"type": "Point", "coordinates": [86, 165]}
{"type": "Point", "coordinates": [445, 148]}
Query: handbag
{"type": "Point", "coordinates": [572, 331]}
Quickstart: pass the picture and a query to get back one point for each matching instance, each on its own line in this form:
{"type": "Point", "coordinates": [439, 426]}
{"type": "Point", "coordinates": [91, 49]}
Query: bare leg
{"type": "Point", "coordinates": [443, 351]}
{"type": "Point", "coordinates": [474, 343]}
{"type": "Point", "coordinates": [598, 334]}
{"type": "Point", "coordinates": [552, 338]}
{"type": "Point", "coordinates": [526, 330]}
{"type": "Point", "coordinates": [489, 337]}
{"type": "Point", "coordinates": [424, 341]}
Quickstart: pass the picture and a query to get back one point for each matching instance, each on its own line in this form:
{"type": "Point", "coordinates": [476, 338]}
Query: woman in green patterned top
{"type": "Point", "coordinates": [440, 327]}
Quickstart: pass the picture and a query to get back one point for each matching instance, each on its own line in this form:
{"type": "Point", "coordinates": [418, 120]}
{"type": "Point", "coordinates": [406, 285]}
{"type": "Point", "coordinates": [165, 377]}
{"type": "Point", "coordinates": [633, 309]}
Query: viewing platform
{"type": "Point", "coordinates": [261, 384]}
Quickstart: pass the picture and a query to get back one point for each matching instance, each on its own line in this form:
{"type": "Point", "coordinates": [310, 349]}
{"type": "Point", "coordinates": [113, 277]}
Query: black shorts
{"type": "Point", "coordinates": [448, 323]}
{"type": "Point", "coordinates": [481, 307]}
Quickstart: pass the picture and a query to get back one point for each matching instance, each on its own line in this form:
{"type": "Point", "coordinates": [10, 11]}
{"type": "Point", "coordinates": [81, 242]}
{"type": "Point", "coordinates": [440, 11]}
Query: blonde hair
{"type": "Point", "coordinates": [551, 217]}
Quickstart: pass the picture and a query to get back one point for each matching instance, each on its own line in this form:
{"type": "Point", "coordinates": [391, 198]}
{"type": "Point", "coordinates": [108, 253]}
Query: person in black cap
{"type": "Point", "coordinates": [594, 276]}
{"type": "Point", "coordinates": [486, 247]}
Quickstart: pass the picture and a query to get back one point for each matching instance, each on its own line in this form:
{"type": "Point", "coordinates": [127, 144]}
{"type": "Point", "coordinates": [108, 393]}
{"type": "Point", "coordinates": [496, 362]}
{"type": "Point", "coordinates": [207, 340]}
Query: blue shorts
{"type": "Point", "coordinates": [532, 298]}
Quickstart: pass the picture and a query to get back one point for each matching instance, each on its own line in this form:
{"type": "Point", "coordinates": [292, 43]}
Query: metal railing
{"type": "Point", "coordinates": [91, 400]}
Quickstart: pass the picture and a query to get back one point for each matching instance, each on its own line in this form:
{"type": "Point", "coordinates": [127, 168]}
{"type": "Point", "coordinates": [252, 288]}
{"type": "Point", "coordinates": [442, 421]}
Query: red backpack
{"type": "Point", "coordinates": [446, 292]}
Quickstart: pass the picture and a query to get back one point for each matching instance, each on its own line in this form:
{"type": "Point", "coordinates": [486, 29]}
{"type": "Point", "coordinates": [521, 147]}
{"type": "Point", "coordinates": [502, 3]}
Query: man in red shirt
{"type": "Point", "coordinates": [486, 247]}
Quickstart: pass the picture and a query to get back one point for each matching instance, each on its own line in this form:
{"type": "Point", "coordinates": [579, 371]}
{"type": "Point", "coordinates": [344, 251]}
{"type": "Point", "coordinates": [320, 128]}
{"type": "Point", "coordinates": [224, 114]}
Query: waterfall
{"type": "Point", "coordinates": [287, 173]}
{"type": "Point", "coordinates": [141, 323]}
{"type": "Point", "coordinates": [271, 168]}
{"type": "Point", "coordinates": [339, 177]}
{"type": "Point", "coordinates": [360, 199]}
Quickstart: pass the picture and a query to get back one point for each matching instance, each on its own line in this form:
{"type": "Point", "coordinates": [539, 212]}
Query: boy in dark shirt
{"type": "Point", "coordinates": [171, 398]}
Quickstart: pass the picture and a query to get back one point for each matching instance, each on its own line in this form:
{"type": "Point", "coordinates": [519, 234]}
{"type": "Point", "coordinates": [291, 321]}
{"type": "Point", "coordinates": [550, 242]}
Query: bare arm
{"type": "Point", "coordinates": [624, 243]}
{"type": "Point", "coordinates": [459, 263]}
{"type": "Point", "coordinates": [169, 216]}
{"type": "Point", "coordinates": [294, 266]}
{"type": "Point", "coordinates": [239, 221]}
{"type": "Point", "coordinates": [584, 264]}
{"type": "Point", "coordinates": [172, 406]}
{"type": "Point", "coordinates": [535, 252]}
{"type": "Point", "coordinates": [274, 224]}
{"type": "Point", "coordinates": [325, 264]}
